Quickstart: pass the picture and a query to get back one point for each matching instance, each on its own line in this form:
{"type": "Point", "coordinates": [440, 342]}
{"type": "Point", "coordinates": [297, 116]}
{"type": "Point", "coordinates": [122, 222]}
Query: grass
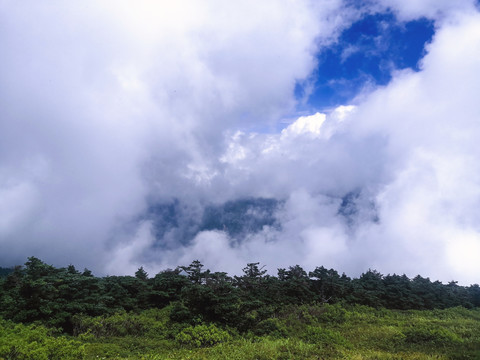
{"type": "Point", "coordinates": [305, 332]}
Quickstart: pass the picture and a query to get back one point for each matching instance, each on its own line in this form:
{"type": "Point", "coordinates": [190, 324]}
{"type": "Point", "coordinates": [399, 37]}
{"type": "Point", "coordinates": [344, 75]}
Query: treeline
{"type": "Point", "coordinates": [57, 296]}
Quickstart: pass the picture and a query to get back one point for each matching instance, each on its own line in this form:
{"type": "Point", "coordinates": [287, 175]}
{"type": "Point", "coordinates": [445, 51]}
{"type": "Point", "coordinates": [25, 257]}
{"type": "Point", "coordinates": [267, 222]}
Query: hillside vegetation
{"type": "Point", "coordinates": [191, 313]}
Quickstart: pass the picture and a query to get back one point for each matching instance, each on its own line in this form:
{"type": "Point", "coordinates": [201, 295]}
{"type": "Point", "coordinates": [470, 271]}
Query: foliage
{"type": "Point", "coordinates": [5, 271]}
{"type": "Point", "coordinates": [272, 326]}
{"type": "Point", "coordinates": [191, 312]}
{"type": "Point", "coordinates": [363, 333]}
{"type": "Point", "coordinates": [330, 314]}
{"type": "Point", "coordinates": [55, 296]}
{"type": "Point", "coordinates": [148, 323]}
{"type": "Point", "coordinates": [326, 337]}
{"type": "Point", "coordinates": [35, 342]}
{"type": "Point", "coordinates": [202, 335]}
{"type": "Point", "coordinates": [433, 335]}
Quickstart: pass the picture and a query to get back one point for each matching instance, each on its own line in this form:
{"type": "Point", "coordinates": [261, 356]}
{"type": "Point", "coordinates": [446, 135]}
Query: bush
{"type": "Point", "coordinates": [150, 323]}
{"type": "Point", "coordinates": [324, 337]}
{"type": "Point", "coordinates": [180, 313]}
{"type": "Point", "coordinates": [202, 335]}
{"type": "Point", "coordinates": [332, 314]}
{"type": "Point", "coordinates": [34, 342]}
{"type": "Point", "coordinates": [422, 334]}
{"type": "Point", "coordinates": [119, 324]}
{"type": "Point", "coordinates": [272, 327]}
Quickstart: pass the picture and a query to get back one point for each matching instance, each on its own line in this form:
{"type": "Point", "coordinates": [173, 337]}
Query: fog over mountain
{"type": "Point", "coordinates": [338, 133]}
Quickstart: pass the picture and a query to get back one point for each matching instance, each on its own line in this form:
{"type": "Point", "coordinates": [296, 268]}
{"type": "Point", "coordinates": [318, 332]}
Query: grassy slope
{"type": "Point", "coordinates": [307, 332]}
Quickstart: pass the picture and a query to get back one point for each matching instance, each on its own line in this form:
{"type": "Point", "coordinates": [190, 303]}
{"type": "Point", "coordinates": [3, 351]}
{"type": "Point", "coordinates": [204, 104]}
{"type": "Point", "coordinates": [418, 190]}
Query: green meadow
{"type": "Point", "coordinates": [297, 332]}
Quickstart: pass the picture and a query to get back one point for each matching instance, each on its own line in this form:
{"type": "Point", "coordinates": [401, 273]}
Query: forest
{"type": "Point", "coordinates": [193, 313]}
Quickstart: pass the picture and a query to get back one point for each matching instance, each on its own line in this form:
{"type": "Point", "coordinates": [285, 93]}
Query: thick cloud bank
{"type": "Point", "coordinates": [141, 135]}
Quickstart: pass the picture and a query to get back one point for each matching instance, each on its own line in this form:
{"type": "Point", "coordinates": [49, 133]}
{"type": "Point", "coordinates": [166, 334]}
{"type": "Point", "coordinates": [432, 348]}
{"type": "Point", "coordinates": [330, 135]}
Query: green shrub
{"type": "Point", "coordinates": [332, 314]}
{"type": "Point", "coordinates": [34, 342]}
{"type": "Point", "coordinates": [150, 323]}
{"type": "Point", "coordinates": [202, 335]}
{"type": "Point", "coordinates": [272, 327]}
{"type": "Point", "coordinates": [325, 337]}
{"type": "Point", "coordinates": [105, 351]}
{"type": "Point", "coordinates": [296, 318]}
{"type": "Point", "coordinates": [421, 334]}
{"type": "Point", "coordinates": [119, 324]}
{"type": "Point", "coordinates": [180, 313]}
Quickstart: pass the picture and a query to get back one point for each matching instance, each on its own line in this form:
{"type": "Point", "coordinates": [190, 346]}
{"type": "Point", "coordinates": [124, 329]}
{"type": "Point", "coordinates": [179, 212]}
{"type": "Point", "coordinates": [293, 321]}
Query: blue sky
{"type": "Point", "coordinates": [365, 55]}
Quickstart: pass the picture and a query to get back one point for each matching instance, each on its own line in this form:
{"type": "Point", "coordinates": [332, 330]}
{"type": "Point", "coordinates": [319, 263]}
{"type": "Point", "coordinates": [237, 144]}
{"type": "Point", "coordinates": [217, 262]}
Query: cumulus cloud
{"type": "Point", "coordinates": [433, 9]}
{"type": "Point", "coordinates": [408, 150]}
{"type": "Point", "coordinates": [107, 110]}
{"type": "Point", "coordinates": [105, 105]}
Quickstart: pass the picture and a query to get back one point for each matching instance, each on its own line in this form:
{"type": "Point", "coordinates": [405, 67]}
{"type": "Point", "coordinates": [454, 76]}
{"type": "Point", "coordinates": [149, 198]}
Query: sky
{"type": "Point", "coordinates": [334, 133]}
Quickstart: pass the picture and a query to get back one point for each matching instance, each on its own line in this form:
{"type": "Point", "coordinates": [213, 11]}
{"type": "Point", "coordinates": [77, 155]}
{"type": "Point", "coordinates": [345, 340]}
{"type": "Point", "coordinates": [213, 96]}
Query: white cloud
{"type": "Point", "coordinates": [430, 121]}
{"type": "Point", "coordinates": [410, 148]}
{"type": "Point", "coordinates": [306, 125]}
{"type": "Point", "coordinates": [434, 9]}
{"type": "Point", "coordinates": [127, 102]}
{"type": "Point", "coordinates": [105, 106]}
